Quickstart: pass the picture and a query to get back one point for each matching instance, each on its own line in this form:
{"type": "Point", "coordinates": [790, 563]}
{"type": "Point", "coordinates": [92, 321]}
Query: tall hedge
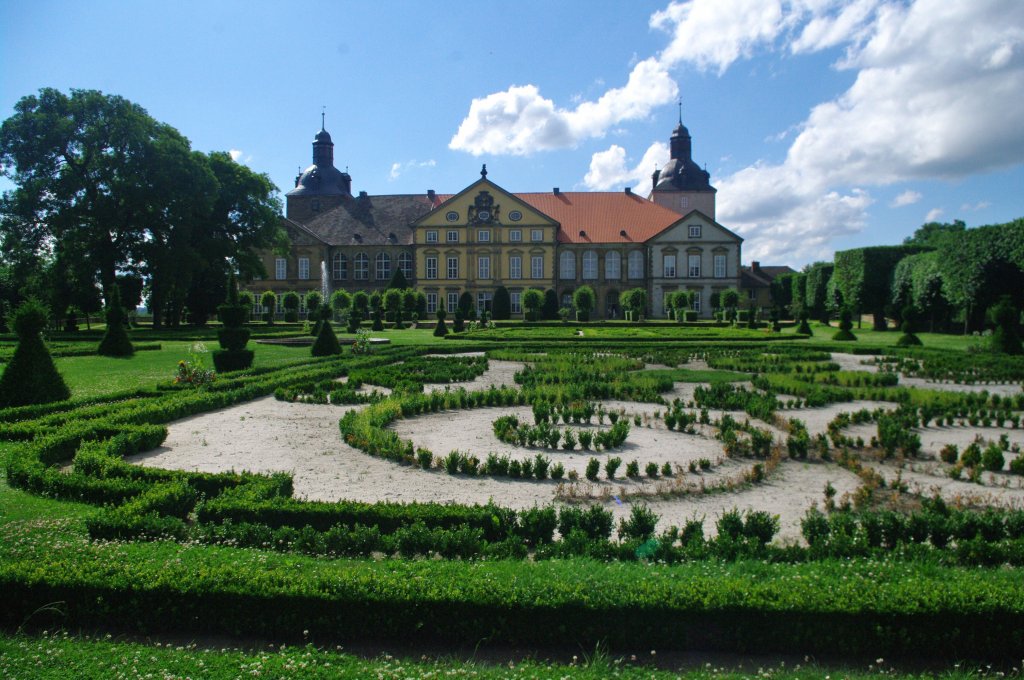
{"type": "Point", "coordinates": [501, 306]}
{"type": "Point", "coordinates": [864, 277]}
{"type": "Point", "coordinates": [816, 290]}
{"type": "Point", "coordinates": [30, 376]}
{"type": "Point", "coordinates": [115, 342]}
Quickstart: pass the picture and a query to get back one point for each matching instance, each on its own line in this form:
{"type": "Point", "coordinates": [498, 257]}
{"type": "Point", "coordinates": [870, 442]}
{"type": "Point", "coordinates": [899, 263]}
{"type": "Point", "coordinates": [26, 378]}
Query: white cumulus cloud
{"type": "Point", "coordinates": [908, 197]}
{"type": "Point", "coordinates": [933, 215]}
{"type": "Point", "coordinates": [397, 169]}
{"type": "Point", "coordinates": [609, 169]}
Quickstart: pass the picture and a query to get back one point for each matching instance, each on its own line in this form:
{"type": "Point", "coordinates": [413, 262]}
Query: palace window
{"type": "Point", "coordinates": [339, 267]}
{"type": "Point", "coordinates": [693, 266]}
{"type": "Point", "coordinates": [515, 267]}
{"type": "Point", "coordinates": [405, 264]}
{"type": "Point", "coordinates": [483, 266]}
{"type": "Point", "coordinates": [453, 267]}
{"type": "Point", "coordinates": [432, 267]}
{"type": "Point", "coordinates": [635, 265]}
{"type": "Point", "coordinates": [483, 302]}
{"type": "Point", "coordinates": [612, 266]}
{"type": "Point", "coordinates": [432, 236]}
{"type": "Point", "coordinates": [280, 269]}
{"type": "Point", "coordinates": [668, 266]}
{"type": "Point", "coordinates": [696, 301]}
{"type": "Point", "coordinates": [517, 305]}
{"type": "Point", "coordinates": [431, 302]}
{"type": "Point", "coordinates": [719, 266]}
{"type": "Point", "coordinates": [483, 235]}
{"type": "Point", "coordinates": [453, 302]}
{"type": "Point", "coordinates": [590, 265]}
{"type": "Point", "coordinates": [515, 235]}
{"type": "Point", "coordinates": [382, 265]}
{"type": "Point", "coordinates": [537, 267]}
{"type": "Point", "coordinates": [694, 231]}
{"type": "Point", "coordinates": [453, 236]}
{"type": "Point", "coordinates": [361, 267]}
{"type": "Point", "coordinates": [303, 267]}
{"type": "Point", "coordinates": [567, 265]}
{"type": "Point", "coordinates": [536, 235]}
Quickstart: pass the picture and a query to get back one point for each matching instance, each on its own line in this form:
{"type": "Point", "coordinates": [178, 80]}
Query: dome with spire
{"type": "Point", "coordinates": [322, 178]}
{"type": "Point", "coordinates": [681, 173]}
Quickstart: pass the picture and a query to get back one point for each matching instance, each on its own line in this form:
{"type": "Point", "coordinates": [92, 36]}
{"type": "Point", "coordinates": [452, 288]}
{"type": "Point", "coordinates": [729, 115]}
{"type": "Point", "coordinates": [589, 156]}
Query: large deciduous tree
{"type": "Point", "coordinates": [106, 190]}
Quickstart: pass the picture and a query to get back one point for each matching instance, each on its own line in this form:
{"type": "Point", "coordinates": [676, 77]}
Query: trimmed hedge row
{"type": "Point", "coordinates": [867, 608]}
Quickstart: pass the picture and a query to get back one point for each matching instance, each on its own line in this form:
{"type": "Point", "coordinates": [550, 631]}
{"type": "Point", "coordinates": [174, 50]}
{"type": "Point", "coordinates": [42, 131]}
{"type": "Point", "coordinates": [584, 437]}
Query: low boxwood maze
{"type": "Point", "coordinates": [509, 430]}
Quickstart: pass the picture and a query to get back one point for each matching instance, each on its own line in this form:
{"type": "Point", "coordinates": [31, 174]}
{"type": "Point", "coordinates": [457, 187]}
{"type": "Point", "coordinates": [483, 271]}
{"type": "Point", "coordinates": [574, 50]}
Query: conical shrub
{"type": "Point", "coordinates": [30, 376]}
{"type": "Point", "coordinates": [326, 343]}
{"type": "Point", "coordinates": [115, 342]}
{"type": "Point", "coordinates": [233, 336]}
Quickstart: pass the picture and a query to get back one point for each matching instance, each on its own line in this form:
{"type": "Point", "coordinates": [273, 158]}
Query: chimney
{"type": "Point", "coordinates": [755, 267]}
{"type": "Point", "coordinates": [629, 191]}
{"type": "Point", "coordinates": [555, 191]}
{"type": "Point", "coordinates": [431, 196]}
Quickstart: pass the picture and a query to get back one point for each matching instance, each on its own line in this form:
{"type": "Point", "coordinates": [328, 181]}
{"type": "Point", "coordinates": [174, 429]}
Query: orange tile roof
{"type": "Point", "coordinates": [603, 216]}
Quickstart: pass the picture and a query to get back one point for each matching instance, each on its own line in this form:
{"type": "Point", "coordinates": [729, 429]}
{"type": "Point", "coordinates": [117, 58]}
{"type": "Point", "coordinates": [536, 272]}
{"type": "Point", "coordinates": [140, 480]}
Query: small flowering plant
{"type": "Point", "coordinates": [192, 371]}
{"type": "Point", "coordinates": [362, 343]}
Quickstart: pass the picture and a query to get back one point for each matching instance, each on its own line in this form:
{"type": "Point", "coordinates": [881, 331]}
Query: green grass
{"type": "Point", "coordinates": [867, 336]}
{"type": "Point", "coordinates": [697, 376]}
{"type": "Point", "coordinates": [60, 656]}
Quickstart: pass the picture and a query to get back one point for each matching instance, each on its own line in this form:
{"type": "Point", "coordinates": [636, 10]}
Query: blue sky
{"type": "Point", "coordinates": [825, 125]}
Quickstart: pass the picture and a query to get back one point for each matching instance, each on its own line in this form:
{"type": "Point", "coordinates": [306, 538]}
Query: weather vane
{"type": "Point", "coordinates": [323, 116]}
{"type": "Point", "coordinates": [680, 110]}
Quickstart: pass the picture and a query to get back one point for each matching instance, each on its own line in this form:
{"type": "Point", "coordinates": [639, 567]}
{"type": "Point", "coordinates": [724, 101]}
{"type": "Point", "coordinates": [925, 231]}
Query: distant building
{"type": "Point", "coordinates": [485, 236]}
{"type": "Point", "coordinates": [756, 283]}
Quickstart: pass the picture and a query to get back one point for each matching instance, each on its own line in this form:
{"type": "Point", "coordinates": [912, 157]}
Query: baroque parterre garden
{"type": "Point", "coordinates": [625, 490]}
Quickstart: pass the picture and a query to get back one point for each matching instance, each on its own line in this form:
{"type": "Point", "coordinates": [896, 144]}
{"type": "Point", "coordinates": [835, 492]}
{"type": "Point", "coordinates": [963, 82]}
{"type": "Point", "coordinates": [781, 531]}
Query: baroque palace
{"type": "Point", "coordinates": [484, 237]}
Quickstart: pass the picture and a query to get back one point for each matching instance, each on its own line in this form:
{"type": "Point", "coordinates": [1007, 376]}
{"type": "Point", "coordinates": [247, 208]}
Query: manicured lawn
{"type": "Point", "coordinates": [59, 655]}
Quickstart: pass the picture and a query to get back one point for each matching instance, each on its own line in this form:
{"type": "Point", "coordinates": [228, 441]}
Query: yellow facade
{"type": "Point", "coordinates": [480, 239]}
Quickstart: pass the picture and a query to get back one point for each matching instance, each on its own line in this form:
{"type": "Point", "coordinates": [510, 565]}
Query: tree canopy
{"type": "Point", "coordinates": [103, 189]}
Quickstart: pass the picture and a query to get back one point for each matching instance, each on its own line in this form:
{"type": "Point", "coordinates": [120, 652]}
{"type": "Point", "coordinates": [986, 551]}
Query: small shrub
{"type": "Point", "coordinates": [30, 377]}
{"type": "Point", "coordinates": [666, 469]}
{"type": "Point", "coordinates": [557, 471]}
{"type": "Point", "coordinates": [651, 469]}
{"type": "Point", "coordinates": [949, 453]}
{"type": "Point", "coordinates": [424, 458]}
{"type": "Point", "coordinates": [585, 437]}
{"type": "Point", "coordinates": [971, 455]}
{"type": "Point", "coordinates": [992, 459]}
{"type": "Point", "coordinates": [611, 466]}
{"type": "Point", "coordinates": [633, 469]}
{"type": "Point", "coordinates": [568, 439]}
{"type": "Point", "coordinates": [640, 525]}
{"type": "Point", "coordinates": [593, 467]}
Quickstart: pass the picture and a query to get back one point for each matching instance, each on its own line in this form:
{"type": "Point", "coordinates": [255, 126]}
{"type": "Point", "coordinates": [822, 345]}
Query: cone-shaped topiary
{"type": "Point", "coordinates": [908, 339]}
{"type": "Point", "coordinates": [1005, 338]}
{"type": "Point", "coordinates": [804, 328]}
{"type": "Point", "coordinates": [441, 329]}
{"type": "Point", "coordinates": [845, 324]}
{"type": "Point", "coordinates": [378, 322]}
{"type": "Point", "coordinates": [233, 336]}
{"type": "Point", "coordinates": [30, 376]}
{"type": "Point", "coordinates": [115, 342]}
{"type": "Point", "coordinates": [326, 341]}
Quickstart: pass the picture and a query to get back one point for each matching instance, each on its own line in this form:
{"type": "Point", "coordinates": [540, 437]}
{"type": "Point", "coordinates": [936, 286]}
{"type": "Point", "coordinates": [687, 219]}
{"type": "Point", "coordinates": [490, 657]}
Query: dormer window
{"type": "Point", "coordinates": [694, 231]}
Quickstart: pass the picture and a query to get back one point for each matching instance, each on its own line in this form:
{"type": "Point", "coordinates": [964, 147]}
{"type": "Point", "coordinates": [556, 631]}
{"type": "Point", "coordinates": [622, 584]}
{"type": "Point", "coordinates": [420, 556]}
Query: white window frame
{"type": "Point", "coordinates": [684, 201]}
{"type": "Point", "coordinates": [483, 235]}
{"type": "Point", "coordinates": [536, 266]}
{"type": "Point", "coordinates": [304, 268]}
{"type": "Point", "coordinates": [452, 236]}
{"type": "Point", "coordinates": [635, 265]}
{"type": "Point", "coordinates": [721, 264]}
{"type": "Point", "coordinates": [536, 235]}
{"type": "Point", "coordinates": [517, 301]}
{"type": "Point", "coordinates": [668, 265]}
{"type": "Point", "coordinates": [431, 303]}
{"type": "Point", "coordinates": [431, 236]}
{"type": "Point", "coordinates": [361, 267]}
{"type": "Point", "coordinates": [515, 266]}
{"type": "Point", "coordinates": [590, 265]}
{"type": "Point", "coordinates": [431, 266]}
{"type": "Point", "coordinates": [280, 269]}
{"type": "Point", "coordinates": [515, 235]}
{"type": "Point", "coordinates": [483, 266]}
{"type": "Point", "coordinates": [612, 265]}
{"type": "Point", "coordinates": [482, 298]}
{"type": "Point", "coordinates": [696, 301]}
{"type": "Point", "coordinates": [339, 267]}
{"type": "Point", "coordinates": [693, 265]}
{"type": "Point", "coordinates": [567, 266]}
{"type": "Point", "coordinates": [452, 267]}
{"type": "Point", "coordinates": [695, 231]}
{"type": "Point", "coordinates": [382, 266]}
{"type": "Point", "coordinates": [453, 303]}
{"type": "Point", "coordinates": [405, 264]}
